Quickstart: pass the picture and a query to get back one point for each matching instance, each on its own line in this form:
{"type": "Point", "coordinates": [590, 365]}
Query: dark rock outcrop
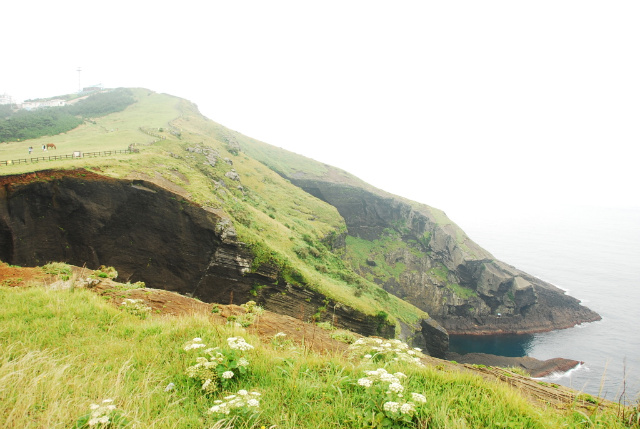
{"type": "Point", "coordinates": [428, 335]}
{"type": "Point", "coordinates": [445, 273]}
{"type": "Point", "coordinates": [535, 367]}
{"type": "Point", "coordinates": [150, 234]}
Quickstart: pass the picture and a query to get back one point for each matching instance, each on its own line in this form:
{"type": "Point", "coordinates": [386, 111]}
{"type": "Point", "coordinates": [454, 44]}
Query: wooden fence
{"type": "Point", "coordinates": [75, 155]}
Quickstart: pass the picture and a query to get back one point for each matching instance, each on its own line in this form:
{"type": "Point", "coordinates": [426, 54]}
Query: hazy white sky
{"type": "Point", "coordinates": [457, 104]}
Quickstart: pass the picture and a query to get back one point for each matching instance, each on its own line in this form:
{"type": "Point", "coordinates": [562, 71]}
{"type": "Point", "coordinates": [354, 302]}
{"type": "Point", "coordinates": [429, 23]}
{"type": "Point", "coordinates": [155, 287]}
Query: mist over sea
{"type": "Point", "coordinates": [594, 254]}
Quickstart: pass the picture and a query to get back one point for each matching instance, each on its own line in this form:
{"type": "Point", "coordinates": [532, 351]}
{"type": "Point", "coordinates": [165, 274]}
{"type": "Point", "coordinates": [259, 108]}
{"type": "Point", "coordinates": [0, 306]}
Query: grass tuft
{"type": "Point", "coordinates": [62, 351]}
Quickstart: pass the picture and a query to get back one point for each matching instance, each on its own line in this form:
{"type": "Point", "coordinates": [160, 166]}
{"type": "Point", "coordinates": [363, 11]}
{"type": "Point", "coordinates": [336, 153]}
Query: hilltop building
{"type": "Point", "coordinates": [33, 105]}
{"type": "Point", "coordinates": [5, 99]}
{"type": "Point", "coordinates": [92, 88]}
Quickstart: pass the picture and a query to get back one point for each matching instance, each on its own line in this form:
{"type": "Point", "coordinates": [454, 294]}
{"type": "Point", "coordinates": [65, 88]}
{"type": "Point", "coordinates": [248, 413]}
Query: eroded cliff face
{"type": "Point", "coordinates": [150, 234]}
{"type": "Point", "coordinates": [439, 269]}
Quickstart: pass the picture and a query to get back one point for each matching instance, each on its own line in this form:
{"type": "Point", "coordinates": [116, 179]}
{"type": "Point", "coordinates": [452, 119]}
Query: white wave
{"type": "Point", "coordinates": [555, 376]}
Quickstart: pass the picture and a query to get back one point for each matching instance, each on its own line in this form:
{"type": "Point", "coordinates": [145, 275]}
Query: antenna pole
{"type": "Point", "coordinates": [79, 86]}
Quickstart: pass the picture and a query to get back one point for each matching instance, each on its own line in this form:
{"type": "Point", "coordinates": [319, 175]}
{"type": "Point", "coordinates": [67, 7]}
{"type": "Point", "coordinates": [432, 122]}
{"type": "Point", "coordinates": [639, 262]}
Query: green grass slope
{"type": "Point", "coordinates": [281, 223]}
{"type": "Point", "coordinates": [63, 350]}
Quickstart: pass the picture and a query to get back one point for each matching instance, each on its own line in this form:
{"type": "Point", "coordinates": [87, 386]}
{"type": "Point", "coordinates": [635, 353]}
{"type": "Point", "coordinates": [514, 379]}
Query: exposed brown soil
{"type": "Point", "coordinates": [265, 325]}
{"type": "Point", "coordinates": [50, 175]}
{"type": "Point", "coordinates": [304, 334]}
{"type": "Point", "coordinates": [21, 277]}
{"type": "Point", "coordinates": [161, 181]}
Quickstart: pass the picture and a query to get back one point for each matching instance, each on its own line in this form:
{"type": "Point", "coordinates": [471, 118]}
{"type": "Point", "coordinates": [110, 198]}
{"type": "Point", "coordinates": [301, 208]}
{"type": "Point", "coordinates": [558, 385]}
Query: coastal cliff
{"type": "Point", "coordinates": [155, 236]}
{"type": "Point", "coordinates": [444, 273]}
{"type": "Point", "coordinates": [208, 212]}
{"type": "Point", "coordinates": [418, 254]}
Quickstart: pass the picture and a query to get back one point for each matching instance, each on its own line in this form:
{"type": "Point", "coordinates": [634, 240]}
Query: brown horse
{"type": "Point", "coordinates": [51, 146]}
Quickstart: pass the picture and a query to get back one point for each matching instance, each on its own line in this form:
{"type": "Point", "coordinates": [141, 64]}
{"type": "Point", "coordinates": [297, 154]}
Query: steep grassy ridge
{"type": "Point", "coordinates": [418, 254]}
{"type": "Point", "coordinates": [294, 214]}
{"type": "Point", "coordinates": [283, 225]}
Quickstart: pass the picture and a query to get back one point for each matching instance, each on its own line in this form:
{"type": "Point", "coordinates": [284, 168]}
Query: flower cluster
{"type": "Point", "coordinates": [243, 401]}
{"type": "Point", "coordinates": [379, 350]}
{"type": "Point", "coordinates": [238, 343]}
{"type": "Point", "coordinates": [100, 413]}
{"type": "Point", "coordinates": [218, 367]}
{"type": "Point", "coordinates": [136, 307]}
{"type": "Point", "coordinates": [103, 415]}
{"type": "Point", "coordinates": [196, 343]}
{"type": "Point", "coordinates": [386, 389]}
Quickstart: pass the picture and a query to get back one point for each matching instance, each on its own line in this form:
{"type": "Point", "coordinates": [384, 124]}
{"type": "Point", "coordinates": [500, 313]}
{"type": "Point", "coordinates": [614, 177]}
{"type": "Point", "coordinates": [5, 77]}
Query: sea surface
{"type": "Point", "coordinates": [594, 254]}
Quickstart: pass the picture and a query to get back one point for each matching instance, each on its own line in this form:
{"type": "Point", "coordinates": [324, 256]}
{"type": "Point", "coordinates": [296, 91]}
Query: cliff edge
{"type": "Point", "coordinates": [418, 254]}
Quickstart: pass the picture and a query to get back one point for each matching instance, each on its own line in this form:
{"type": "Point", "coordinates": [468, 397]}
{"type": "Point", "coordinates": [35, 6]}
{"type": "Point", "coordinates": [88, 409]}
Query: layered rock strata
{"type": "Point", "coordinates": [445, 273]}
{"type": "Point", "coordinates": [150, 234]}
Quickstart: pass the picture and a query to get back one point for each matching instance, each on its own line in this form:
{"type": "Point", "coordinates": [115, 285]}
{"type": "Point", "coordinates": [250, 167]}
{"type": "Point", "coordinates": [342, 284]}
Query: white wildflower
{"type": "Point", "coordinates": [227, 374]}
{"type": "Point", "coordinates": [407, 408]}
{"type": "Point", "coordinates": [367, 356]}
{"type": "Point", "coordinates": [365, 382]}
{"type": "Point", "coordinates": [239, 344]}
{"type": "Point", "coordinates": [389, 378]}
{"type": "Point", "coordinates": [169, 387]}
{"type": "Point", "coordinates": [396, 388]}
{"type": "Point", "coordinates": [280, 334]}
{"type": "Point", "coordinates": [418, 398]}
{"type": "Point", "coordinates": [400, 375]}
{"type": "Point", "coordinates": [191, 346]}
{"type": "Point", "coordinates": [241, 400]}
{"type": "Point", "coordinates": [100, 413]}
{"type": "Point", "coordinates": [391, 406]}
{"type": "Point", "coordinates": [243, 362]}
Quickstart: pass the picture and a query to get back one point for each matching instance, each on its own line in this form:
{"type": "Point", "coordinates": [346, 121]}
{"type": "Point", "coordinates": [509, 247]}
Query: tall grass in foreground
{"type": "Point", "coordinates": [62, 351]}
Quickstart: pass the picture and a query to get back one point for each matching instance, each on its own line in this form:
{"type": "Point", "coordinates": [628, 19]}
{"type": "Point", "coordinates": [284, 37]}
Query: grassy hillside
{"type": "Point", "coordinates": [64, 352]}
{"type": "Point", "coordinates": [281, 223]}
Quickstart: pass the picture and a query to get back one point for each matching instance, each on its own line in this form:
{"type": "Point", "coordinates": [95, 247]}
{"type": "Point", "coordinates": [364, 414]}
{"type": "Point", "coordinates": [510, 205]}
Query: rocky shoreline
{"type": "Point", "coordinates": [535, 367]}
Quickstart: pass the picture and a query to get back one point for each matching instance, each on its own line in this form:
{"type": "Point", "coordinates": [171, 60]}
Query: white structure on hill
{"type": "Point", "coordinates": [33, 105]}
{"type": "Point", "coordinates": [5, 99]}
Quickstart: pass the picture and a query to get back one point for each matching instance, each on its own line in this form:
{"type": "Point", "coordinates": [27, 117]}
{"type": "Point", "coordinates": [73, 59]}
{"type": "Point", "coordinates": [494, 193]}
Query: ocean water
{"type": "Point", "coordinates": [594, 254]}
